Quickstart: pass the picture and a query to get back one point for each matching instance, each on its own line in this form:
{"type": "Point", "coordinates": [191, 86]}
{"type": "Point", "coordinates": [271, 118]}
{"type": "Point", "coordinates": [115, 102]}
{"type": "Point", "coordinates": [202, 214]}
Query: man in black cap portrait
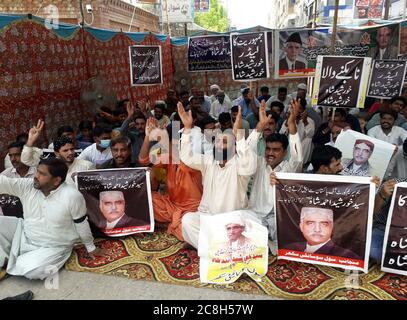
{"type": "Point", "coordinates": [292, 49]}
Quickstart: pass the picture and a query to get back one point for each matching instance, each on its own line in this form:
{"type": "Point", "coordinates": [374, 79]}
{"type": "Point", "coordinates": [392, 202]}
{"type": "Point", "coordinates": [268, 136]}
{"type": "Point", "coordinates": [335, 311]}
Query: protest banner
{"type": "Point", "coordinates": [145, 65]}
{"type": "Point", "coordinates": [118, 200]}
{"type": "Point", "coordinates": [296, 50]}
{"type": "Point", "coordinates": [404, 58]}
{"type": "Point", "coordinates": [341, 81]}
{"type": "Point", "coordinates": [394, 258]}
{"type": "Point", "coordinates": [10, 206]}
{"type": "Point", "coordinates": [324, 219]}
{"type": "Point", "coordinates": [387, 78]}
{"type": "Point", "coordinates": [231, 244]}
{"type": "Point", "coordinates": [249, 56]}
{"type": "Point", "coordinates": [363, 155]}
{"type": "Point", "coordinates": [209, 53]}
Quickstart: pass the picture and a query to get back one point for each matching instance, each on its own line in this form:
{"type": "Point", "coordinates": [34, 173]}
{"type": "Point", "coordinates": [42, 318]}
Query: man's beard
{"type": "Point", "coordinates": [36, 184]}
{"type": "Point", "coordinates": [223, 154]}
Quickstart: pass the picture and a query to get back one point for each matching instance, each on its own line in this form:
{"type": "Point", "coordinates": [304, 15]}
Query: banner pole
{"type": "Point", "coordinates": [333, 39]}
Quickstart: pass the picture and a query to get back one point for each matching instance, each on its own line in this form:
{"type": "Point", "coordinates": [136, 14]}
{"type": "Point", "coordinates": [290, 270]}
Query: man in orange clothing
{"type": "Point", "coordinates": [183, 184]}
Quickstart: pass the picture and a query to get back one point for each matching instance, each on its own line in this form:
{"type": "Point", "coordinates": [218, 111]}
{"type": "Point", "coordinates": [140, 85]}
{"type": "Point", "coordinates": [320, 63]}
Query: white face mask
{"type": "Point", "coordinates": [104, 143]}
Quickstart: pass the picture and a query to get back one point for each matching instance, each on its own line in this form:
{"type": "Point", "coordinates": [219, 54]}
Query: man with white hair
{"type": "Point", "coordinates": [112, 205]}
{"type": "Point", "coordinates": [238, 247]}
{"type": "Point", "coordinates": [220, 105]}
{"type": "Point", "coordinates": [316, 225]}
{"type": "Point", "coordinates": [214, 89]}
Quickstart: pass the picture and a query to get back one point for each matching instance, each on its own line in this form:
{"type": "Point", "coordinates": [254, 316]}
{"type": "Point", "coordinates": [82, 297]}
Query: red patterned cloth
{"type": "Point", "coordinates": [41, 76]}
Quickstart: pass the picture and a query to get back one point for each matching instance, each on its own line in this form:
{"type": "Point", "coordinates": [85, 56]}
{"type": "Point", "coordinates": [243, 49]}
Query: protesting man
{"type": "Point", "coordinates": [54, 220]}
{"type": "Point", "coordinates": [225, 173]}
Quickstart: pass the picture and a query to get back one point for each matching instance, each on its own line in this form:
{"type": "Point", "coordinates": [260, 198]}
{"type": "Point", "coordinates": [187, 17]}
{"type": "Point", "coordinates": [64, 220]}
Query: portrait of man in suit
{"type": "Point", "coordinates": [238, 247]}
{"type": "Point", "coordinates": [384, 49]}
{"type": "Point", "coordinates": [317, 225]}
{"type": "Point", "coordinates": [292, 49]}
{"type": "Point", "coordinates": [112, 205]}
{"type": "Point", "coordinates": [359, 164]}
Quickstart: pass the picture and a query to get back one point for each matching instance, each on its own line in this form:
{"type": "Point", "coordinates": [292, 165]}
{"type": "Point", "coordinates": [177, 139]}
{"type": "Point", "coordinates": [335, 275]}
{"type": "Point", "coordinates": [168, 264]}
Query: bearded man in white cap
{"type": "Point", "coordinates": [214, 89]}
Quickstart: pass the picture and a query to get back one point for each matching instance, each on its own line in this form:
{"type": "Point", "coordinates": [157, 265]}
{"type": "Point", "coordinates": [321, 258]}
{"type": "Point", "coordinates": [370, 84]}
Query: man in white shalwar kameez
{"type": "Point", "coordinates": [225, 174]}
{"type": "Point", "coordinates": [54, 220]}
{"type": "Point", "coordinates": [262, 193]}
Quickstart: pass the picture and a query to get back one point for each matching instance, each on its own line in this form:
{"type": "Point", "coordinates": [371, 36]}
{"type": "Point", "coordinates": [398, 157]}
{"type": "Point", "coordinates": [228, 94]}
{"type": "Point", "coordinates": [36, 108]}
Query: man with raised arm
{"type": "Point", "coordinates": [225, 173]}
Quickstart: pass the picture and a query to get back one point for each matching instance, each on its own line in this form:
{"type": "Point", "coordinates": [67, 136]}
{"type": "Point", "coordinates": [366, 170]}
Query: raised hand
{"type": "Point", "coordinates": [130, 110]}
{"type": "Point", "coordinates": [294, 110]}
{"type": "Point", "coordinates": [151, 125]}
{"type": "Point", "coordinates": [263, 118]}
{"type": "Point", "coordinates": [186, 117]}
{"type": "Point", "coordinates": [238, 125]}
{"type": "Point", "coordinates": [35, 133]}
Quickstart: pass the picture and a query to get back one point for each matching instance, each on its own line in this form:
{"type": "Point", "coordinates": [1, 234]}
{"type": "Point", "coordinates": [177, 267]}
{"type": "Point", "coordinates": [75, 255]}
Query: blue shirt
{"type": "Point", "coordinates": [246, 109]}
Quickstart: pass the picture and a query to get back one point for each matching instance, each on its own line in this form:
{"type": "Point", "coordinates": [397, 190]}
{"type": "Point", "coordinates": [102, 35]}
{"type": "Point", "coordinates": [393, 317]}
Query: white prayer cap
{"type": "Point", "coordinates": [235, 219]}
{"type": "Point", "coordinates": [214, 86]}
{"type": "Point", "coordinates": [244, 87]}
{"type": "Point", "coordinates": [302, 86]}
{"type": "Point", "coordinates": [325, 211]}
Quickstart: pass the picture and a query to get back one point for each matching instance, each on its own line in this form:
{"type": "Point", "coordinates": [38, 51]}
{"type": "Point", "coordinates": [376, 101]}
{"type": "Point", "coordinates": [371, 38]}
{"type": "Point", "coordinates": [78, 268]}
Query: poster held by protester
{"type": "Point", "coordinates": [404, 58]}
{"type": "Point", "coordinates": [394, 259]}
{"type": "Point", "coordinates": [341, 81]}
{"type": "Point", "coordinates": [209, 53]}
{"type": "Point", "coordinates": [10, 206]}
{"type": "Point", "coordinates": [249, 56]}
{"type": "Point", "coordinates": [387, 78]}
{"type": "Point", "coordinates": [118, 200]}
{"type": "Point", "coordinates": [363, 155]}
{"type": "Point", "coordinates": [324, 219]}
{"type": "Point", "coordinates": [145, 65]}
{"type": "Point", "coordinates": [231, 244]}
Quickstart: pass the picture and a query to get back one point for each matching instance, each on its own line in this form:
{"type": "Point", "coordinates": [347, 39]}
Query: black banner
{"type": "Point", "coordinates": [11, 206]}
{"type": "Point", "coordinates": [386, 80]}
{"type": "Point", "coordinates": [145, 65]}
{"type": "Point", "coordinates": [395, 251]}
{"type": "Point", "coordinates": [341, 81]}
{"type": "Point", "coordinates": [249, 56]}
{"type": "Point", "coordinates": [209, 53]}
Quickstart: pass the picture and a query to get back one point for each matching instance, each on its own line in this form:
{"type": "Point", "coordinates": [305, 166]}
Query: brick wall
{"type": "Point", "coordinates": [108, 14]}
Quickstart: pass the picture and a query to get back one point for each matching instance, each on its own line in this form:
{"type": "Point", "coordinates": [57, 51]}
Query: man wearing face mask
{"type": "Point", "coordinates": [99, 152]}
{"type": "Point", "coordinates": [273, 160]}
{"type": "Point", "coordinates": [64, 149]}
{"type": "Point", "coordinates": [226, 173]}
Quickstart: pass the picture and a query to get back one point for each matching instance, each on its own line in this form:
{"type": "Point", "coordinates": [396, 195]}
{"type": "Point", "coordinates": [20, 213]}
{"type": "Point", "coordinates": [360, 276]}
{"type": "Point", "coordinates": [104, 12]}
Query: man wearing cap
{"type": "Point", "coordinates": [214, 89]}
{"type": "Point", "coordinates": [238, 248]}
{"type": "Point", "coordinates": [292, 49]}
{"type": "Point", "coordinates": [359, 165]}
{"type": "Point", "coordinates": [316, 225]}
{"type": "Point", "coordinates": [247, 101]}
{"type": "Point", "coordinates": [220, 105]}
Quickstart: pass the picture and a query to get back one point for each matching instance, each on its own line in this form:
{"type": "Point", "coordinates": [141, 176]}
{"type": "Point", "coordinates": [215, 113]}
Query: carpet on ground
{"type": "Point", "coordinates": [161, 257]}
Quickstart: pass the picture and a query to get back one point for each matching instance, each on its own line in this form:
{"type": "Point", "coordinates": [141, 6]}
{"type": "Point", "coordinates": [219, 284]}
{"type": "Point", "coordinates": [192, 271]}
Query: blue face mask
{"type": "Point", "coordinates": [104, 143]}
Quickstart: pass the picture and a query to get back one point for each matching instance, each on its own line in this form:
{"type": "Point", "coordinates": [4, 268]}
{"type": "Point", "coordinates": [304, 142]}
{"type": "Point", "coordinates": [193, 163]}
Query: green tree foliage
{"type": "Point", "coordinates": [214, 20]}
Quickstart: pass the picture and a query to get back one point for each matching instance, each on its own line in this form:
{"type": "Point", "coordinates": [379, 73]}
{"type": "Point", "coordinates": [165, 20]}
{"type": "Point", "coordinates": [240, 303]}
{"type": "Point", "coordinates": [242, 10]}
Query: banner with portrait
{"type": "Point", "coordinates": [341, 81]}
{"type": "Point", "coordinates": [296, 50]}
{"type": "Point", "coordinates": [324, 219]}
{"type": "Point", "coordinates": [387, 78]}
{"type": "Point", "coordinates": [118, 200]}
{"type": "Point", "coordinates": [209, 53]}
{"type": "Point", "coordinates": [231, 244]}
{"type": "Point", "coordinates": [363, 155]}
{"type": "Point", "coordinates": [394, 258]}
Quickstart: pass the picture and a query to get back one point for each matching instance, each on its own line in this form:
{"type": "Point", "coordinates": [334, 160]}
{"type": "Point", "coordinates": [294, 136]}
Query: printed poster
{"type": "Point", "coordinates": [324, 219]}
